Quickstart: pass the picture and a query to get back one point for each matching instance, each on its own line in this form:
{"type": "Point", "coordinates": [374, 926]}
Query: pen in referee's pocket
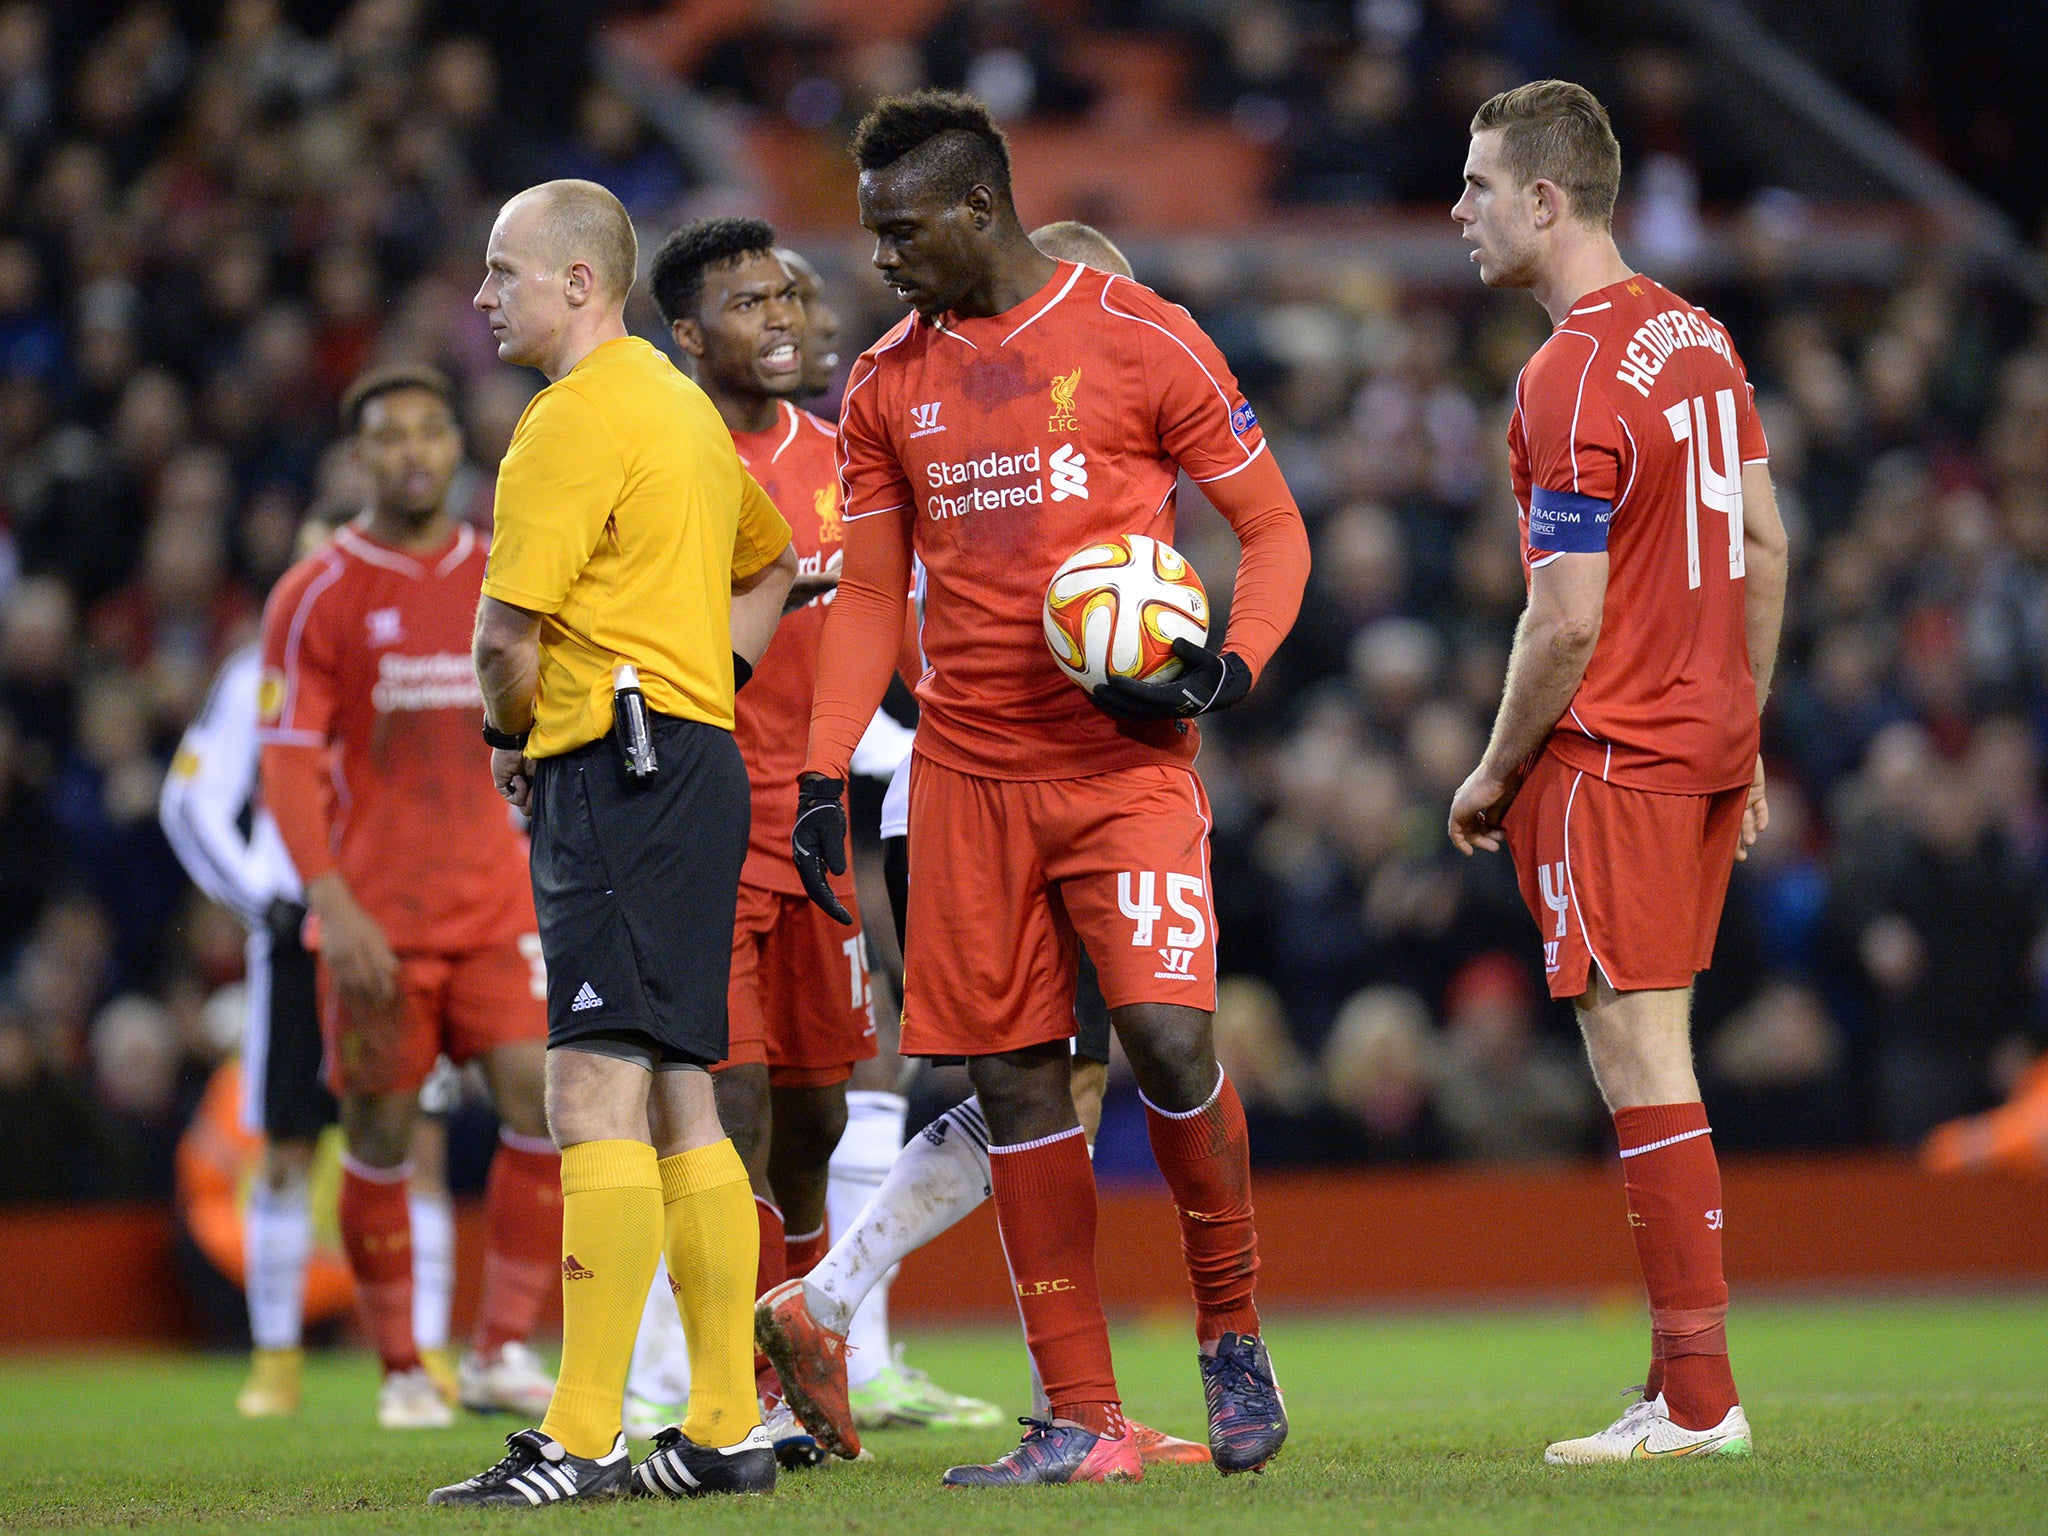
{"type": "Point", "coordinates": [629, 721]}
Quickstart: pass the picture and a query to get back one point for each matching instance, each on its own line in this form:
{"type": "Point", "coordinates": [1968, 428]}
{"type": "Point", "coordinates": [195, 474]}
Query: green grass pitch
{"type": "Point", "coordinates": [1871, 1416]}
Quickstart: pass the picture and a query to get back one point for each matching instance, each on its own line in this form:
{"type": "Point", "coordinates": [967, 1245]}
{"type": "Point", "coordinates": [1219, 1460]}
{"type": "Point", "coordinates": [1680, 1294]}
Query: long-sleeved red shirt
{"type": "Point", "coordinates": [993, 448]}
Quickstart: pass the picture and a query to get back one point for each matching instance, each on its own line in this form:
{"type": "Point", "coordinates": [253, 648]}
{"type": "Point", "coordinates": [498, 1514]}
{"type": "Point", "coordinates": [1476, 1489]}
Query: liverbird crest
{"type": "Point", "coordinates": [1063, 417]}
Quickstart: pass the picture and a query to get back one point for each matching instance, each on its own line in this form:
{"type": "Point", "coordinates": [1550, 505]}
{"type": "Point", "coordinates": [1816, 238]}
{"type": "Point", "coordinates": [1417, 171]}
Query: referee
{"type": "Point", "coordinates": [636, 573]}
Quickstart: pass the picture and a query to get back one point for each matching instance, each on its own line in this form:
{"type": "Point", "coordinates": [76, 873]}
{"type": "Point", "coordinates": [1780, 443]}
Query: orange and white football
{"type": "Point", "coordinates": [1114, 609]}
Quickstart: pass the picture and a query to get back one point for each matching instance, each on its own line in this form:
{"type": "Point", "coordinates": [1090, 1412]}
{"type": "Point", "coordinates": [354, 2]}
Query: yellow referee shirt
{"type": "Point", "coordinates": [624, 516]}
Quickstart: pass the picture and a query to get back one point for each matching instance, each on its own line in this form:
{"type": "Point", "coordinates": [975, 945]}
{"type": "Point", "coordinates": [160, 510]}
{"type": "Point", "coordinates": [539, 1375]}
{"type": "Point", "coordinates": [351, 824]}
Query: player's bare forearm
{"type": "Point", "coordinates": [506, 650]}
{"type": "Point", "coordinates": [757, 605]}
{"type": "Point", "coordinates": [1765, 557]}
{"type": "Point", "coordinates": [1554, 642]}
{"type": "Point", "coordinates": [1273, 571]}
{"type": "Point", "coordinates": [862, 637]}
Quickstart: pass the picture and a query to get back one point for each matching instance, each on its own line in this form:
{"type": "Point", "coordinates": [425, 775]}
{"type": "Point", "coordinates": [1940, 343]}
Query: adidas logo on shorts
{"type": "Point", "coordinates": [586, 998]}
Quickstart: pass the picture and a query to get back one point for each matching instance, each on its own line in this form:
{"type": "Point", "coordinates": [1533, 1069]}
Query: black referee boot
{"type": "Point", "coordinates": [679, 1468]}
{"type": "Point", "coordinates": [538, 1469]}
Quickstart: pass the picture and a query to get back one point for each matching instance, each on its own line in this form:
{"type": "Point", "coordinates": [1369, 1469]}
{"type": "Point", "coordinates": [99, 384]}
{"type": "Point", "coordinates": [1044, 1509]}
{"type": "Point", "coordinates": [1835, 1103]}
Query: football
{"type": "Point", "coordinates": [1114, 609]}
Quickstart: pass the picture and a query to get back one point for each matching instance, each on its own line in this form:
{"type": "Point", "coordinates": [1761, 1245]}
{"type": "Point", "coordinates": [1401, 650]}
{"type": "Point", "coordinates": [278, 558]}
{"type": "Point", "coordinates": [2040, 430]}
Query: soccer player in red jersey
{"type": "Point", "coordinates": [1623, 770]}
{"type": "Point", "coordinates": [798, 1004]}
{"type": "Point", "coordinates": [415, 877]}
{"type": "Point", "coordinates": [824, 1324]}
{"type": "Point", "coordinates": [1028, 407]}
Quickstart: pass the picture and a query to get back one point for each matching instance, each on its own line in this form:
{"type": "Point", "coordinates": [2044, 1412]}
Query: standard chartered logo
{"type": "Point", "coordinates": [1069, 473]}
{"type": "Point", "coordinates": [986, 484]}
{"type": "Point", "coordinates": [443, 681]}
{"type": "Point", "coordinates": [999, 480]}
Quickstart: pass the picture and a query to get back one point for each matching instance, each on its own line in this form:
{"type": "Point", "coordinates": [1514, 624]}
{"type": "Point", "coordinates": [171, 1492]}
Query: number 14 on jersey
{"type": "Point", "coordinates": [1720, 490]}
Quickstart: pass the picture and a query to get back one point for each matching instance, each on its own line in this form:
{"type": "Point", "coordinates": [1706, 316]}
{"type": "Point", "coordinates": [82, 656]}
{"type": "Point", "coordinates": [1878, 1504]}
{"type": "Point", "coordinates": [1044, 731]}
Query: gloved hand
{"type": "Point", "coordinates": [286, 920]}
{"type": "Point", "coordinates": [819, 841]}
{"type": "Point", "coordinates": [1209, 680]}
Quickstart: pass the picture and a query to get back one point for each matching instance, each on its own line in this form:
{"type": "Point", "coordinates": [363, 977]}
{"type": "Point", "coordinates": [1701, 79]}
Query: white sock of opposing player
{"type": "Point", "coordinates": [861, 1161]}
{"type": "Point", "coordinates": [278, 1236]}
{"type": "Point", "coordinates": [940, 1175]}
{"type": "Point", "coordinates": [660, 1372]}
{"type": "Point", "coordinates": [433, 1269]}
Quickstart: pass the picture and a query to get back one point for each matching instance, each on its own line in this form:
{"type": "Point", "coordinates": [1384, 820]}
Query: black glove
{"type": "Point", "coordinates": [819, 841]}
{"type": "Point", "coordinates": [1209, 680]}
{"type": "Point", "coordinates": [286, 920]}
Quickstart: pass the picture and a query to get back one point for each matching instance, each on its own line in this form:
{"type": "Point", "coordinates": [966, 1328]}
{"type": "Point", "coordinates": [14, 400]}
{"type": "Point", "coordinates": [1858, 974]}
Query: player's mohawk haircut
{"type": "Point", "coordinates": [1557, 130]}
{"type": "Point", "coordinates": [685, 256]}
{"type": "Point", "coordinates": [966, 148]}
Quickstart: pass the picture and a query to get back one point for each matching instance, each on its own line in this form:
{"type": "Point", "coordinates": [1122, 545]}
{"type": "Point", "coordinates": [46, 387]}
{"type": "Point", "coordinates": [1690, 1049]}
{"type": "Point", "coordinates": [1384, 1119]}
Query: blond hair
{"type": "Point", "coordinates": [1558, 132]}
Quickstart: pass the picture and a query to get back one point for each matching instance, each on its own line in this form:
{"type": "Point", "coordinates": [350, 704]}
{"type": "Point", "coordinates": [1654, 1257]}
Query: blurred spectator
{"type": "Point", "coordinates": [35, 673]}
{"type": "Point", "coordinates": [1004, 52]}
{"type": "Point", "coordinates": [1773, 1073]}
{"type": "Point", "coordinates": [104, 800]}
{"type": "Point", "coordinates": [1277, 1084]}
{"type": "Point", "coordinates": [1377, 1066]}
{"type": "Point", "coordinates": [1502, 1091]}
{"type": "Point", "coordinates": [613, 146]}
{"type": "Point", "coordinates": [1255, 1048]}
{"type": "Point", "coordinates": [53, 1143]}
{"type": "Point", "coordinates": [1935, 918]}
{"type": "Point", "coordinates": [135, 1073]}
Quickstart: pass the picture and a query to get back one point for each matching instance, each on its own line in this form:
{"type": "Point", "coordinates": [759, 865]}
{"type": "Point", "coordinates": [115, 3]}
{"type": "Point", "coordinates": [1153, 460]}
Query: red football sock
{"type": "Point", "coordinates": [376, 1233]}
{"type": "Point", "coordinates": [1206, 1157]}
{"type": "Point", "coordinates": [772, 1269]}
{"type": "Point", "coordinates": [768, 1273]}
{"type": "Point", "coordinates": [800, 1255]}
{"type": "Point", "coordinates": [1674, 1213]}
{"type": "Point", "coordinates": [1045, 1207]}
{"type": "Point", "coordinates": [523, 1242]}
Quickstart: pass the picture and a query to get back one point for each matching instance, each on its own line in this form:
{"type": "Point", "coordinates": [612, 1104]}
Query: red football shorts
{"type": "Point", "coordinates": [1004, 874]}
{"type": "Point", "coordinates": [1630, 880]}
{"type": "Point", "coordinates": [799, 997]}
{"type": "Point", "coordinates": [459, 1005]}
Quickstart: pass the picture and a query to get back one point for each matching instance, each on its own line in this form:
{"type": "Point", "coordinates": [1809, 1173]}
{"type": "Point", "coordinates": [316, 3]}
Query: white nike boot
{"type": "Point", "coordinates": [1646, 1433]}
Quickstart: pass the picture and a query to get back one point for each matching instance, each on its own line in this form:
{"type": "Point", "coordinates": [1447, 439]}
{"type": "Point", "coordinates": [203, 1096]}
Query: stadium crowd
{"type": "Point", "coordinates": [205, 235]}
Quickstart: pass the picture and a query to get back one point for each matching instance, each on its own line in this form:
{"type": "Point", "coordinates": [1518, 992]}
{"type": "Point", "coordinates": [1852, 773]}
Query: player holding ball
{"type": "Point", "coordinates": [1623, 770]}
{"type": "Point", "coordinates": [1030, 407]}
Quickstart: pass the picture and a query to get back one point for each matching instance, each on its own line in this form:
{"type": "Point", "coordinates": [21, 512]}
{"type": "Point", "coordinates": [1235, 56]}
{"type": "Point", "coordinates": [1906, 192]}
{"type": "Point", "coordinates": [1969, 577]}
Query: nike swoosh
{"type": "Point", "coordinates": [1643, 1452]}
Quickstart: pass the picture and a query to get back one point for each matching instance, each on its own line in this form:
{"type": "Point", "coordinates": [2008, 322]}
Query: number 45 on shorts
{"type": "Point", "coordinates": [1136, 898]}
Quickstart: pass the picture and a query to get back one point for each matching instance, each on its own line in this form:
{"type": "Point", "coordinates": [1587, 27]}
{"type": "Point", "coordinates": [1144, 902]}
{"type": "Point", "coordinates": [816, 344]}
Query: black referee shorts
{"type": "Point", "coordinates": [635, 886]}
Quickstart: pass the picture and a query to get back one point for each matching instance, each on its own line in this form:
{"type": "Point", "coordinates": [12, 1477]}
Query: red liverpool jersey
{"type": "Point", "coordinates": [1631, 427]}
{"type": "Point", "coordinates": [366, 658]}
{"type": "Point", "coordinates": [794, 461]}
{"type": "Point", "coordinates": [1012, 441]}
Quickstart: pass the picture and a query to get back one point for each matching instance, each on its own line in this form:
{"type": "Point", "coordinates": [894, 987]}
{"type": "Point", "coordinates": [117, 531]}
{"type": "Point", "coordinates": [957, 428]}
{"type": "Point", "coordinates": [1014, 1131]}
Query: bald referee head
{"type": "Point", "coordinates": [560, 262]}
{"type": "Point", "coordinates": [1071, 240]}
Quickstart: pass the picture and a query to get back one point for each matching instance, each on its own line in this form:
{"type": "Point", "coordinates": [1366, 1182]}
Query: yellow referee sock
{"type": "Point", "coordinates": [611, 1236]}
{"type": "Point", "coordinates": [714, 1248]}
